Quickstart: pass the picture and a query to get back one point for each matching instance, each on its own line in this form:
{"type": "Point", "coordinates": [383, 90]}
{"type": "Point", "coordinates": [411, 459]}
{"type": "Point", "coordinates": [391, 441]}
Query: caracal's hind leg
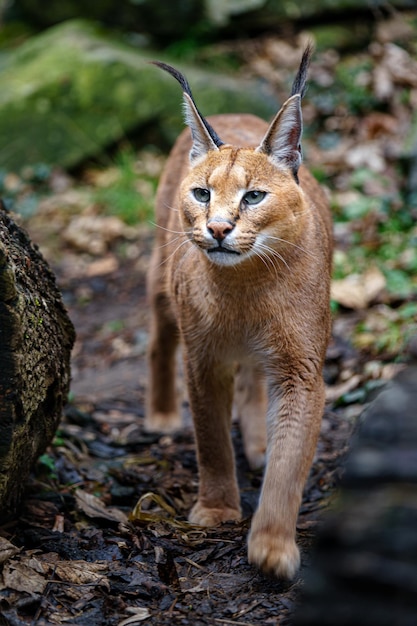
{"type": "Point", "coordinates": [162, 413]}
{"type": "Point", "coordinates": [250, 406]}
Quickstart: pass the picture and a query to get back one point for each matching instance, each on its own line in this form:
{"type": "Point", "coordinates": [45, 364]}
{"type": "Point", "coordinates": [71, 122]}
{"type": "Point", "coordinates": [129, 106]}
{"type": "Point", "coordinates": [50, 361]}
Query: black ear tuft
{"type": "Point", "coordinates": [282, 140]}
{"type": "Point", "coordinates": [187, 90]}
{"type": "Point", "coordinates": [299, 84]}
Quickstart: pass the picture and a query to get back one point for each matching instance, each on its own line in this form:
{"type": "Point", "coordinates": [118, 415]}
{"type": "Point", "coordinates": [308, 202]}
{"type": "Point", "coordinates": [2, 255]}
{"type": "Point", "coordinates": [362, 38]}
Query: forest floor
{"type": "Point", "coordinates": [84, 557]}
{"type": "Point", "coordinates": [102, 537]}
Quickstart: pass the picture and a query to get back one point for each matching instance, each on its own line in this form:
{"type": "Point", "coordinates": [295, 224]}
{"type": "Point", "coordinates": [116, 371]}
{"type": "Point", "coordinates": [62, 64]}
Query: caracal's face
{"type": "Point", "coordinates": [237, 204]}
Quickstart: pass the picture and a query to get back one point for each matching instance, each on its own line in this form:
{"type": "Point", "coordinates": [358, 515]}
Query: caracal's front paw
{"type": "Point", "coordinates": [163, 422]}
{"type": "Point", "coordinates": [205, 516]}
{"type": "Point", "coordinates": [273, 554]}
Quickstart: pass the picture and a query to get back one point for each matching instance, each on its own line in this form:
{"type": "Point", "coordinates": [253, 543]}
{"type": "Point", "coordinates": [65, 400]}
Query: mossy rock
{"type": "Point", "coordinates": [68, 93]}
{"type": "Point", "coordinates": [170, 21]}
{"type": "Point", "coordinates": [164, 21]}
{"type": "Point", "coordinates": [259, 15]}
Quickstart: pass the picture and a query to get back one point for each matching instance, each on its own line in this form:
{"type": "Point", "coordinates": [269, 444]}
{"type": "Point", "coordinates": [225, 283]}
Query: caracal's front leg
{"type": "Point", "coordinates": [294, 418]}
{"type": "Point", "coordinates": [251, 403]}
{"type": "Point", "coordinates": [210, 389]}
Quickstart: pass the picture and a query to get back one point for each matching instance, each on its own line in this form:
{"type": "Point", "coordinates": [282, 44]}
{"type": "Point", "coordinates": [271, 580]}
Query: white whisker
{"type": "Point", "coordinates": [168, 230]}
{"type": "Point", "coordinates": [171, 208]}
{"type": "Point", "coordinates": [271, 252]}
{"type": "Point", "coordinates": [170, 242]}
{"type": "Point", "coordinates": [174, 252]}
{"type": "Point", "coordinates": [264, 258]}
{"type": "Point", "coordinates": [290, 243]}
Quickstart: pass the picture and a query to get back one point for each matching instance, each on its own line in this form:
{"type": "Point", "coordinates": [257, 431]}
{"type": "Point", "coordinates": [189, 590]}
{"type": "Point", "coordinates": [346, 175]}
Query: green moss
{"type": "Point", "coordinates": [68, 93]}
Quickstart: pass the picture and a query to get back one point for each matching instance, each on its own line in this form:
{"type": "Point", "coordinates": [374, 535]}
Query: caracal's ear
{"type": "Point", "coordinates": [204, 136]}
{"type": "Point", "coordinates": [282, 142]}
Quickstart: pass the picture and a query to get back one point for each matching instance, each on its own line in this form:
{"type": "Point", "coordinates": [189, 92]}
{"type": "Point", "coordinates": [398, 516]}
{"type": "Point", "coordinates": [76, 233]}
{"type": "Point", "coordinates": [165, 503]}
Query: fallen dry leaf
{"type": "Point", "coordinates": [21, 577]}
{"type": "Point", "coordinates": [335, 392]}
{"type": "Point", "coordinates": [357, 291]}
{"type": "Point", "coordinates": [7, 550]}
{"type": "Point", "coordinates": [395, 28]}
{"type": "Point", "coordinates": [367, 154]}
{"type": "Point", "coordinates": [139, 513]}
{"type": "Point", "coordinates": [103, 266]}
{"type": "Point", "coordinates": [82, 572]}
{"type": "Point", "coordinates": [140, 613]}
{"type": "Point", "coordinates": [94, 507]}
{"type": "Point", "coordinates": [95, 233]}
{"type": "Point", "coordinates": [58, 526]}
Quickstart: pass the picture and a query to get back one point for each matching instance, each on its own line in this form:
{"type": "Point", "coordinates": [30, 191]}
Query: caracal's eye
{"type": "Point", "coordinates": [202, 195]}
{"type": "Point", "coordinates": [254, 197]}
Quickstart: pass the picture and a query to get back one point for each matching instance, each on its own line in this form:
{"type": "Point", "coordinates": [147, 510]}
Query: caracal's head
{"type": "Point", "coordinates": [241, 203]}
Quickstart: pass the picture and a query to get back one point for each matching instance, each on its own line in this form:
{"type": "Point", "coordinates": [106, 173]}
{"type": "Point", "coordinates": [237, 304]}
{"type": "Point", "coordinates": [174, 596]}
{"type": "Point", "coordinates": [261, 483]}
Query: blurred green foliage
{"type": "Point", "coordinates": [382, 229]}
{"type": "Point", "coordinates": [129, 191]}
{"type": "Point", "coordinates": [387, 331]}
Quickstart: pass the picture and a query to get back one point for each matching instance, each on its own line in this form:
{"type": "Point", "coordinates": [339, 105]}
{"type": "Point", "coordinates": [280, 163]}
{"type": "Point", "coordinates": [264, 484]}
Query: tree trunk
{"type": "Point", "coordinates": [36, 337]}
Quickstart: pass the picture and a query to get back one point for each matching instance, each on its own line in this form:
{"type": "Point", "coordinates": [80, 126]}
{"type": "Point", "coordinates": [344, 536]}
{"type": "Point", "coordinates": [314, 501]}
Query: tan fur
{"type": "Point", "coordinates": [266, 314]}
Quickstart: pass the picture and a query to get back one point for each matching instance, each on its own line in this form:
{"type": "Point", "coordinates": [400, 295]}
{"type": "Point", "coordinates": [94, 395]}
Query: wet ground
{"type": "Point", "coordinates": [102, 538]}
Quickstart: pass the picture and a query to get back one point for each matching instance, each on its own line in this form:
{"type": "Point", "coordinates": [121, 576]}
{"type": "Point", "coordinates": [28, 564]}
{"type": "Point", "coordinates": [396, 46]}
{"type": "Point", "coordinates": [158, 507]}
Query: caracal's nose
{"type": "Point", "coordinates": [219, 229]}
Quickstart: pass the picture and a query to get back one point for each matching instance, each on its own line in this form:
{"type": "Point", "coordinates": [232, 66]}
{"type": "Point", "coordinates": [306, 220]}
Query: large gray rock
{"type": "Point", "coordinates": [168, 21]}
{"type": "Point", "coordinates": [255, 15]}
{"type": "Point", "coordinates": [68, 93]}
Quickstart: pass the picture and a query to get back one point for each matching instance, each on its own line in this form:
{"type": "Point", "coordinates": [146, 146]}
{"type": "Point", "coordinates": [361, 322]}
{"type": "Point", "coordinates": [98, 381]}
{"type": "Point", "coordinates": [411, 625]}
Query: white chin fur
{"type": "Point", "coordinates": [225, 258]}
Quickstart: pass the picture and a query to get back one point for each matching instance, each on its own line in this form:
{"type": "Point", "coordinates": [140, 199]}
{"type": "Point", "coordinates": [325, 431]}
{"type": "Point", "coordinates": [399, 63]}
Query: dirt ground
{"type": "Point", "coordinates": [102, 538]}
